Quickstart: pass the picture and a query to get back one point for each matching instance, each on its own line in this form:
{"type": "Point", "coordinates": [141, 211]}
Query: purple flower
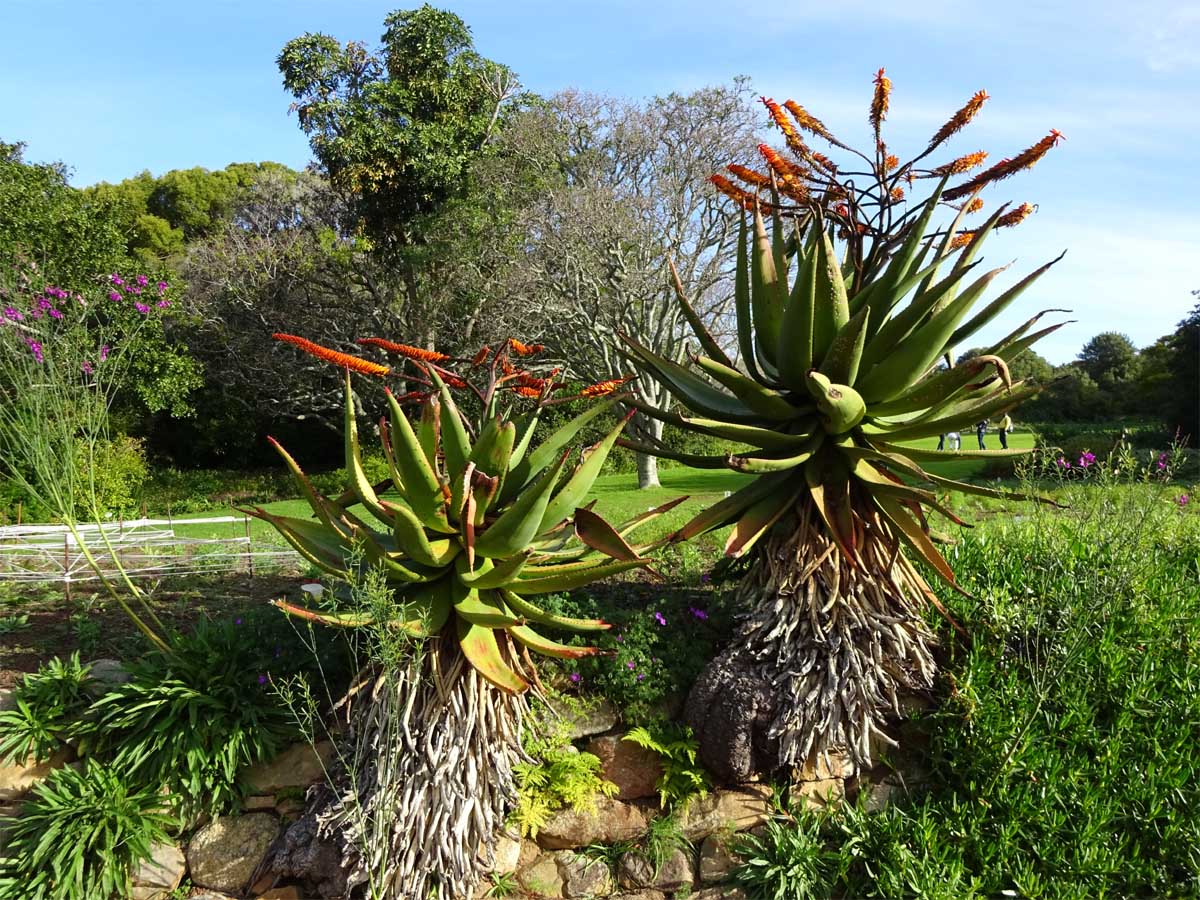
{"type": "Point", "coordinates": [55, 314]}
{"type": "Point", "coordinates": [162, 286]}
{"type": "Point", "coordinates": [698, 613]}
{"type": "Point", "coordinates": [620, 638]}
{"type": "Point", "coordinates": [1087, 459]}
{"type": "Point", "coordinates": [142, 308]}
{"type": "Point", "coordinates": [1062, 463]}
{"type": "Point", "coordinates": [1162, 461]}
{"type": "Point", "coordinates": [262, 679]}
{"type": "Point", "coordinates": [576, 678]}
{"type": "Point", "coordinates": [631, 665]}
{"type": "Point", "coordinates": [1182, 500]}
{"type": "Point", "coordinates": [142, 280]}
{"type": "Point", "coordinates": [163, 304]}
{"type": "Point", "coordinates": [36, 349]}
{"type": "Point", "coordinates": [640, 677]}
{"type": "Point", "coordinates": [11, 312]}
{"type": "Point", "coordinates": [116, 279]}
{"type": "Point", "coordinates": [660, 618]}
{"type": "Point", "coordinates": [104, 353]}
{"type": "Point", "coordinates": [237, 621]}
{"type": "Point", "coordinates": [87, 368]}
{"type": "Point", "coordinates": [44, 304]}
{"type": "Point", "coordinates": [705, 578]}
{"type": "Point", "coordinates": [135, 290]}
{"type": "Point", "coordinates": [113, 295]}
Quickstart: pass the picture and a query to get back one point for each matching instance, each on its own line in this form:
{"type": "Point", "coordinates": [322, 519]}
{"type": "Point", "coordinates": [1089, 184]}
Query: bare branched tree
{"type": "Point", "coordinates": [635, 195]}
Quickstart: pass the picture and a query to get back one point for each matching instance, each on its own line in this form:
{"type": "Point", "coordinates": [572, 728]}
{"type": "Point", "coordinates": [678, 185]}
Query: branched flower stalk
{"type": "Point", "coordinates": [475, 521]}
{"type": "Point", "coordinates": [845, 309]}
{"type": "Point", "coordinates": [63, 358]}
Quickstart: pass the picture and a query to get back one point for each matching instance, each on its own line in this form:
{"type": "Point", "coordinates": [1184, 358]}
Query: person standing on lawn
{"type": "Point", "coordinates": [1005, 428]}
{"type": "Point", "coordinates": [980, 431]}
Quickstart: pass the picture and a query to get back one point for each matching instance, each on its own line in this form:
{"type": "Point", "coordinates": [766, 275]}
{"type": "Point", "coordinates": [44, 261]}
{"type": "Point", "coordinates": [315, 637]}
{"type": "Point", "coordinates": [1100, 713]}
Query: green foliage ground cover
{"type": "Point", "coordinates": [1061, 753]}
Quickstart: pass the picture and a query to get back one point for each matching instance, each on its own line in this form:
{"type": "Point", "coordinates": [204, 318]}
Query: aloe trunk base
{"type": "Point", "coordinates": [822, 659]}
{"type": "Point", "coordinates": [423, 788]}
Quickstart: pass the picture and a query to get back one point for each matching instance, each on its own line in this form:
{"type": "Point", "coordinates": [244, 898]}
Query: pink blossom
{"type": "Point", "coordinates": [142, 308]}
{"type": "Point", "coordinates": [36, 349]}
{"type": "Point", "coordinates": [88, 368]}
{"type": "Point", "coordinates": [104, 352]}
{"type": "Point", "coordinates": [162, 286]}
{"type": "Point", "coordinates": [163, 304]}
{"type": "Point", "coordinates": [142, 280]}
{"type": "Point", "coordinates": [1182, 500]}
{"type": "Point", "coordinates": [10, 312]}
{"type": "Point", "coordinates": [113, 295]}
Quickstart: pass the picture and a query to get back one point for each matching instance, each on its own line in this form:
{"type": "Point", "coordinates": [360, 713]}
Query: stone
{"type": "Point", "coordinates": [155, 878]}
{"type": "Point", "coordinates": [283, 893]}
{"type": "Point", "coordinates": [647, 895]}
{"type": "Point", "coordinates": [507, 853]}
{"type": "Point", "coordinates": [8, 699]}
{"type": "Point", "coordinates": [306, 855]}
{"type": "Point", "coordinates": [592, 717]}
{"type": "Point", "coordinates": [724, 892]}
{"type": "Point", "coordinates": [258, 803]}
{"type": "Point", "coordinates": [541, 877]}
{"type": "Point", "coordinates": [837, 765]}
{"type": "Point", "coordinates": [210, 895]}
{"type": "Point", "coordinates": [296, 767]}
{"type": "Point", "coordinates": [638, 871]}
{"type": "Point", "coordinates": [223, 854]}
{"type": "Point", "coordinates": [16, 780]}
{"type": "Point", "coordinates": [612, 821]}
{"type": "Point", "coordinates": [726, 811]}
{"type": "Point", "coordinates": [633, 769]}
{"type": "Point", "coordinates": [730, 708]}
{"type": "Point", "coordinates": [106, 674]}
{"type": "Point", "coordinates": [583, 877]}
{"type": "Point", "coordinates": [818, 794]}
{"type": "Point", "coordinates": [717, 859]}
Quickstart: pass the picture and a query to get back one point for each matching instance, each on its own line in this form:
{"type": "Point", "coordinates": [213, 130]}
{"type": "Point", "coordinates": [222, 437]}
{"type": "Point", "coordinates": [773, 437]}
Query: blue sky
{"type": "Point", "coordinates": [115, 87]}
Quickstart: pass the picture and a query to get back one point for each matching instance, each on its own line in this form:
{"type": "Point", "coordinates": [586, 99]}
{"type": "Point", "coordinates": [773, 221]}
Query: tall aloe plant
{"type": "Point", "coordinates": [846, 306]}
{"type": "Point", "coordinates": [476, 522]}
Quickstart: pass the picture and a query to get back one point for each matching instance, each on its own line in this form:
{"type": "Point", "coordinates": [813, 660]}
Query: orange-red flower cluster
{"type": "Point", "coordinates": [974, 206]}
{"type": "Point", "coordinates": [481, 357]}
{"type": "Point", "coordinates": [345, 360]}
{"type": "Point", "coordinates": [743, 198]}
{"type": "Point", "coordinates": [1015, 217]}
{"type": "Point", "coordinates": [962, 164]}
{"type": "Point", "coordinates": [414, 397]}
{"type": "Point", "coordinates": [604, 388]}
{"type": "Point", "coordinates": [959, 120]}
{"type": "Point", "coordinates": [404, 350]}
{"type": "Point", "coordinates": [1007, 167]}
{"type": "Point", "coordinates": [811, 123]}
{"type": "Point", "coordinates": [890, 163]}
{"type": "Point", "coordinates": [758, 179]}
{"type": "Point", "coordinates": [879, 102]}
{"type": "Point", "coordinates": [523, 350]}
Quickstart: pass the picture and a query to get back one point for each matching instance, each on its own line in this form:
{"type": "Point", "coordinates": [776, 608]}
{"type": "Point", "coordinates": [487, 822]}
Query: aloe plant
{"type": "Point", "coordinates": [846, 307]}
{"type": "Point", "coordinates": [476, 522]}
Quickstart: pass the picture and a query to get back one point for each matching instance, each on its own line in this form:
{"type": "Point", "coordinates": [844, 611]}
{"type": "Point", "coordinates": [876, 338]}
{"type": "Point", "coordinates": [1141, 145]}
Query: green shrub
{"type": "Point", "coordinates": [682, 775]}
{"type": "Point", "coordinates": [49, 704]}
{"type": "Point", "coordinates": [788, 861]}
{"type": "Point", "coordinates": [80, 835]}
{"type": "Point", "coordinates": [118, 470]}
{"type": "Point", "coordinates": [194, 720]}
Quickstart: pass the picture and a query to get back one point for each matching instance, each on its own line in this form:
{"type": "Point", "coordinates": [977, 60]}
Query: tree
{"type": "Point", "coordinates": [397, 132]}
{"type": "Point", "coordinates": [635, 195]}
{"type": "Point", "coordinates": [1169, 377]}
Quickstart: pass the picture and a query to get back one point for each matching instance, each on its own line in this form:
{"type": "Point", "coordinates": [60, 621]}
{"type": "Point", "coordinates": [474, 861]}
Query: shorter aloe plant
{"type": "Point", "coordinates": [473, 525]}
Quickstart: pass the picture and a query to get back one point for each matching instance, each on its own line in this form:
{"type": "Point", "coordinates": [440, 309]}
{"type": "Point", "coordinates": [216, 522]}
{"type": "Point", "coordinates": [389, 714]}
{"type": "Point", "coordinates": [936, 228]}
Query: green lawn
{"type": "Point", "coordinates": [617, 495]}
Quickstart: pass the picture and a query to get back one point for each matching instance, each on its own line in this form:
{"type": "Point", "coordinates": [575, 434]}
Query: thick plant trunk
{"type": "Point", "coordinates": [826, 650]}
{"type": "Point", "coordinates": [647, 466]}
{"type": "Point", "coordinates": [422, 787]}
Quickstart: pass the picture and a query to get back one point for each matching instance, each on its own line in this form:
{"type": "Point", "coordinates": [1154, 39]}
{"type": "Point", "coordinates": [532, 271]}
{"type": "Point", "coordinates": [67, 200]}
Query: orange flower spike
{"type": "Point", "coordinates": [975, 205]}
{"type": "Point", "coordinates": [749, 176]}
{"type": "Point", "coordinates": [1016, 216]}
{"type": "Point", "coordinates": [404, 350]}
{"type": "Point", "coordinates": [780, 117]}
{"type": "Point", "coordinates": [890, 163]}
{"type": "Point", "coordinates": [897, 193]}
{"type": "Point", "coordinates": [959, 120]}
{"type": "Point", "coordinates": [961, 240]}
{"type": "Point", "coordinates": [344, 360]}
{"type": "Point", "coordinates": [524, 350]}
{"type": "Point", "coordinates": [604, 388]}
{"type": "Point", "coordinates": [743, 198]}
{"type": "Point", "coordinates": [879, 102]}
{"type": "Point", "coordinates": [1026, 159]}
{"type": "Point", "coordinates": [811, 123]}
{"type": "Point", "coordinates": [825, 163]}
{"type": "Point", "coordinates": [533, 393]}
{"type": "Point", "coordinates": [481, 357]}
{"type": "Point", "coordinates": [962, 164]}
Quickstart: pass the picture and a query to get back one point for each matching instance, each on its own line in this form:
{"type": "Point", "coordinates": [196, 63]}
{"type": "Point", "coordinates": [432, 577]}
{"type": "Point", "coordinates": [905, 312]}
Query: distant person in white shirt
{"type": "Point", "coordinates": [955, 440]}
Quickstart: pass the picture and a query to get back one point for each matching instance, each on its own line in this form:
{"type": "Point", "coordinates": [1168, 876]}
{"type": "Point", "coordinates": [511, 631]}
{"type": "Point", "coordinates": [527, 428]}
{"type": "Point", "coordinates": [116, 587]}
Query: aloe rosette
{"type": "Point", "coordinates": [475, 524]}
{"type": "Point", "coordinates": [847, 308]}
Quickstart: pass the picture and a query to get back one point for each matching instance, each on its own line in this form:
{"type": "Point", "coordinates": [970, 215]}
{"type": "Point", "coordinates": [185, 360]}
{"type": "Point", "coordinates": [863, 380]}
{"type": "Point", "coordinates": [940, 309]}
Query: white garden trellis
{"type": "Point", "coordinates": [147, 548]}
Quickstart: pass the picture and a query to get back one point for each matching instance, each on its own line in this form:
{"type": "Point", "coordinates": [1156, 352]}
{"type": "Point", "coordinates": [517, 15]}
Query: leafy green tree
{"type": "Point", "coordinates": [397, 130]}
{"type": "Point", "coordinates": [1169, 376]}
{"type": "Point", "coordinates": [71, 236]}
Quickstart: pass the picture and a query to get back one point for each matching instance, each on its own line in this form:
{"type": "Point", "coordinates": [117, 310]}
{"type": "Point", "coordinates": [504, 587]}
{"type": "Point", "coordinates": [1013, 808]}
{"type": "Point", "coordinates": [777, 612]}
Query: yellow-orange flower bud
{"type": "Point", "coordinates": [345, 360]}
